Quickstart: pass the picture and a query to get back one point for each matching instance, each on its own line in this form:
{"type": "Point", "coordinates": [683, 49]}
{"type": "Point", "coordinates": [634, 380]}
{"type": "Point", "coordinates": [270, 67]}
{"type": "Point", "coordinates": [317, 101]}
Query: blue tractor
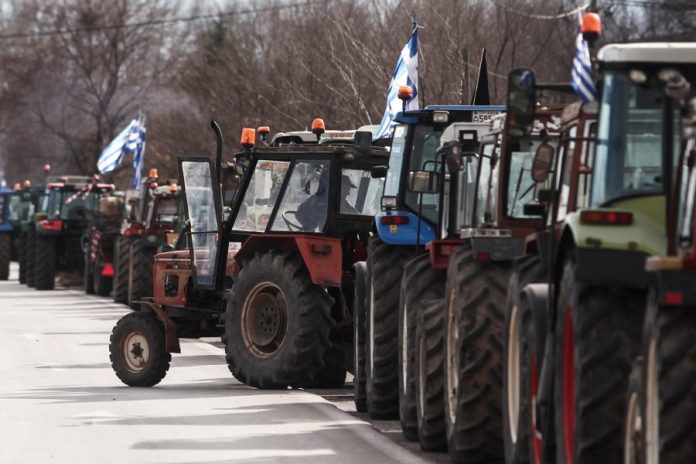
{"type": "Point", "coordinates": [9, 200]}
{"type": "Point", "coordinates": [407, 222]}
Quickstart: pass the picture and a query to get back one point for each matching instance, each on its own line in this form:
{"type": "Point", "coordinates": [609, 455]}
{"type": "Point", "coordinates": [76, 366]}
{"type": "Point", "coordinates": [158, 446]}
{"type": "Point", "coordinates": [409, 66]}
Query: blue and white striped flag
{"type": "Point", "coordinates": [124, 143]}
{"type": "Point", "coordinates": [405, 73]}
{"type": "Point", "coordinates": [136, 144]}
{"type": "Point", "coordinates": [581, 75]}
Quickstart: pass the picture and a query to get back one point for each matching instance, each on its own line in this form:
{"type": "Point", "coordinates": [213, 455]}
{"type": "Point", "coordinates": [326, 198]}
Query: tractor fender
{"type": "Point", "coordinates": [323, 256]}
{"type": "Point", "coordinates": [170, 335]}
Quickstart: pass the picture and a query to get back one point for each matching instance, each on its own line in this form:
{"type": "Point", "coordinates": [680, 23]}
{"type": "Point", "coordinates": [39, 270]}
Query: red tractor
{"type": "Point", "coordinates": [99, 244]}
{"type": "Point", "coordinates": [152, 219]}
{"type": "Point", "coordinates": [274, 277]}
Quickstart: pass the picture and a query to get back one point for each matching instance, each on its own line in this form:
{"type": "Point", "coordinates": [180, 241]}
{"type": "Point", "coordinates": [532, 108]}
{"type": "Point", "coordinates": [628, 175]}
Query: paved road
{"type": "Point", "coordinates": [61, 403]}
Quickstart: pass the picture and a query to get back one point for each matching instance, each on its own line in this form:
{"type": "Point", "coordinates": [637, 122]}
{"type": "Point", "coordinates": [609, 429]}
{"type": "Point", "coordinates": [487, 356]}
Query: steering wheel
{"type": "Point", "coordinates": [292, 225]}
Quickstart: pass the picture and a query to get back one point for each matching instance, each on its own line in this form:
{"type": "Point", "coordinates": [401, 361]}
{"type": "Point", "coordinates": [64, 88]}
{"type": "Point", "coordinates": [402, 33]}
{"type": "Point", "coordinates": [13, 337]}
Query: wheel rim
{"type": "Point", "coordinates": [371, 337]}
{"type": "Point", "coordinates": [534, 392]}
{"type": "Point", "coordinates": [513, 374]}
{"type": "Point", "coordinates": [568, 387]}
{"type": "Point", "coordinates": [136, 352]}
{"type": "Point", "coordinates": [652, 407]}
{"type": "Point", "coordinates": [632, 430]}
{"type": "Point", "coordinates": [404, 350]}
{"type": "Point", "coordinates": [265, 319]}
{"type": "Point", "coordinates": [452, 360]}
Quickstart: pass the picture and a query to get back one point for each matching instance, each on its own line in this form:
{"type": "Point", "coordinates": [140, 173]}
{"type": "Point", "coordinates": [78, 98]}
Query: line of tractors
{"type": "Point", "coordinates": [513, 283]}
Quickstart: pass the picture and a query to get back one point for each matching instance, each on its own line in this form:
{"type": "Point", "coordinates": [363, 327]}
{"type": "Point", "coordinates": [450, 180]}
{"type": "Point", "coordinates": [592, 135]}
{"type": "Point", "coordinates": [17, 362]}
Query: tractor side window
{"type": "Point", "coordinates": [166, 213]}
{"type": "Point", "coordinates": [75, 206]}
{"type": "Point", "coordinates": [260, 196]}
{"type": "Point", "coordinates": [359, 193]}
{"type": "Point", "coordinates": [425, 142]}
{"type": "Point", "coordinates": [585, 178]}
{"type": "Point", "coordinates": [52, 204]}
{"type": "Point", "coordinates": [566, 176]}
{"type": "Point", "coordinates": [305, 201]}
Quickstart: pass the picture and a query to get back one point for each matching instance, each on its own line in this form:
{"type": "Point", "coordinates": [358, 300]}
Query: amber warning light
{"type": "Point", "coordinates": [591, 27]}
{"type": "Point", "coordinates": [248, 137]}
{"type": "Point", "coordinates": [405, 92]}
{"type": "Point", "coordinates": [153, 172]}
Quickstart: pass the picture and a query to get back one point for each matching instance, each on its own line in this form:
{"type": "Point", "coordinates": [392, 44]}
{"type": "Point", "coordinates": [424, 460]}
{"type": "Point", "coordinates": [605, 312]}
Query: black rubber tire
{"type": "Point", "coordinates": [359, 315]}
{"type": "Point", "coordinates": [45, 263]}
{"type": "Point", "coordinates": [605, 324]}
{"type": "Point", "coordinates": [384, 268]}
{"type": "Point", "coordinates": [419, 283]}
{"type": "Point", "coordinates": [151, 330]}
{"type": "Point", "coordinates": [476, 296]}
{"type": "Point", "coordinates": [518, 448]}
{"type": "Point", "coordinates": [140, 281]}
{"type": "Point", "coordinates": [633, 436]}
{"type": "Point", "coordinates": [102, 284]}
{"type": "Point", "coordinates": [5, 255]}
{"type": "Point", "coordinates": [300, 356]}
{"type": "Point", "coordinates": [429, 375]}
{"type": "Point", "coordinates": [333, 374]}
{"type": "Point", "coordinates": [22, 242]}
{"type": "Point", "coordinates": [88, 276]}
{"type": "Point", "coordinates": [673, 331]}
{"type": "Point", "coordinates": [121, 269]}
{"type": "Point", "coordinates": [30, 255]}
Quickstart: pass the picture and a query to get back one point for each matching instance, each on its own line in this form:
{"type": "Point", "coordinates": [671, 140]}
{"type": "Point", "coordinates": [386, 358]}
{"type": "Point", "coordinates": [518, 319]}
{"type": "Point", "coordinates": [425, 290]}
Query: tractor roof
{"type": "Point", "coordinates": [656, 52]}
{"type": "Point", "coordinates": [347, 151]}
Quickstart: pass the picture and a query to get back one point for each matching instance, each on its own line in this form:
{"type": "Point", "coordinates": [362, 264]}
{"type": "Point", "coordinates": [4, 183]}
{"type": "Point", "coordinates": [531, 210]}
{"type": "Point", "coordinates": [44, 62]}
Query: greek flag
{"type": "Point", "coordinates": [125, 142]}
{"type": "Point", "coordinates": [405, 73]}
{"type": "Point", "coordinates": [136, 144]}
{"type": "Point", "coordinates": [581, 75]}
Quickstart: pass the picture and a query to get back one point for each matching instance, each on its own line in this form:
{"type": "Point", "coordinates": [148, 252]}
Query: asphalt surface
{"type": "Point", "coordinates": [60, 401]}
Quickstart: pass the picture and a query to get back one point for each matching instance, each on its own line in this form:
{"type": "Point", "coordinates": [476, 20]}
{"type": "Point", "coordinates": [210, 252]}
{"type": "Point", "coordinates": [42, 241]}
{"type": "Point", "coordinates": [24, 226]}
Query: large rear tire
{"type": "Point", "coordinates": [476, 295]}
{"type": "Point", "coordinates": [430, 375]}
{"type": "Point", "coordinates": [669, 384]}
{"type": "Point", "coordinates": [45, 263]}
{"type": "Point", "coordinates": [420, 283]}
{"type": "Point", "coordinates": [30, 255]}
{"type": "Point", "coordinates": [523, 349]}
{"type": "Point", "coordinates": [5, 255]}
{"type": "Point", "coordinates": [598, 334]}
{"type": "Point", "coordinates": [359, 315]}
{"type": "Point", "coordinates": [277, 323]}
{"type": "Point", "coordinates": [137, 350]}
{"type": "Point", "coordinates": [140, 279]}
{"type": "Point", "coordinates": [121, 268]}
{"type": "Point", "coordinates": [384, 267]}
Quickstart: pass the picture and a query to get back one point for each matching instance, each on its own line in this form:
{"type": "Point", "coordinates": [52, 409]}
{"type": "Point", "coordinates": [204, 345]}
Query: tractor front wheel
{"type": "Point", "coordinates": [137, 350]}
{"type": "Point", "coordinates": [277, 323]}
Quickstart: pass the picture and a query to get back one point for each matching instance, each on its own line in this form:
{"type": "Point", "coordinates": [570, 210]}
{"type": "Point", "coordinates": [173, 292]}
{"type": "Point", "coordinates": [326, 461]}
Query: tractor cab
{"type": "Point", "coordinates": [153, 208]}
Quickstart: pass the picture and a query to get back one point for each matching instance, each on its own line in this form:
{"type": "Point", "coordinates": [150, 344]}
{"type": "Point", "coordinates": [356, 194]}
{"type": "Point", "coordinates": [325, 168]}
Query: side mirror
{"type": "Point", "coordinates": [377, 172]}
{"type": "Point", "coordinates": [424, 181]}
{"type": "Point", "coordinates": [521, 100]}
{"type": "Point", "coordinates": [362, 141]}
{"type": "Point", "coordinates": [541, 166]}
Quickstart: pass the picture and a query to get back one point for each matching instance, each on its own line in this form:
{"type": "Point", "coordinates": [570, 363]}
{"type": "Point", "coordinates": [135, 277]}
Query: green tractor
{"type": "Point", "coordinates": [59, 229]}
{"type": "Point", "coordinates": [590, 311]}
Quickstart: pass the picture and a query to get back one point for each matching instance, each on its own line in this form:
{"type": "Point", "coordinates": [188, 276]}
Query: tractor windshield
{"type": "Point", "coordinates": [260, 196]}
{"type": "Point", "coordinates": [424, 145]}
{"type": "Point", "coordinates": [396, 159]}
{"type": "Point", "coordinates": [68, 204]}
{"type": "Point", "coordinates": [165, 215]}
{"type": "Point", "coordinates": [520, 182]}
{"type": "Point", "coordinates": [305, 201]}
{"type": "Point", "coordinates": [13, 206]}
{"type": "Point", "coordinates": [628, 158]}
